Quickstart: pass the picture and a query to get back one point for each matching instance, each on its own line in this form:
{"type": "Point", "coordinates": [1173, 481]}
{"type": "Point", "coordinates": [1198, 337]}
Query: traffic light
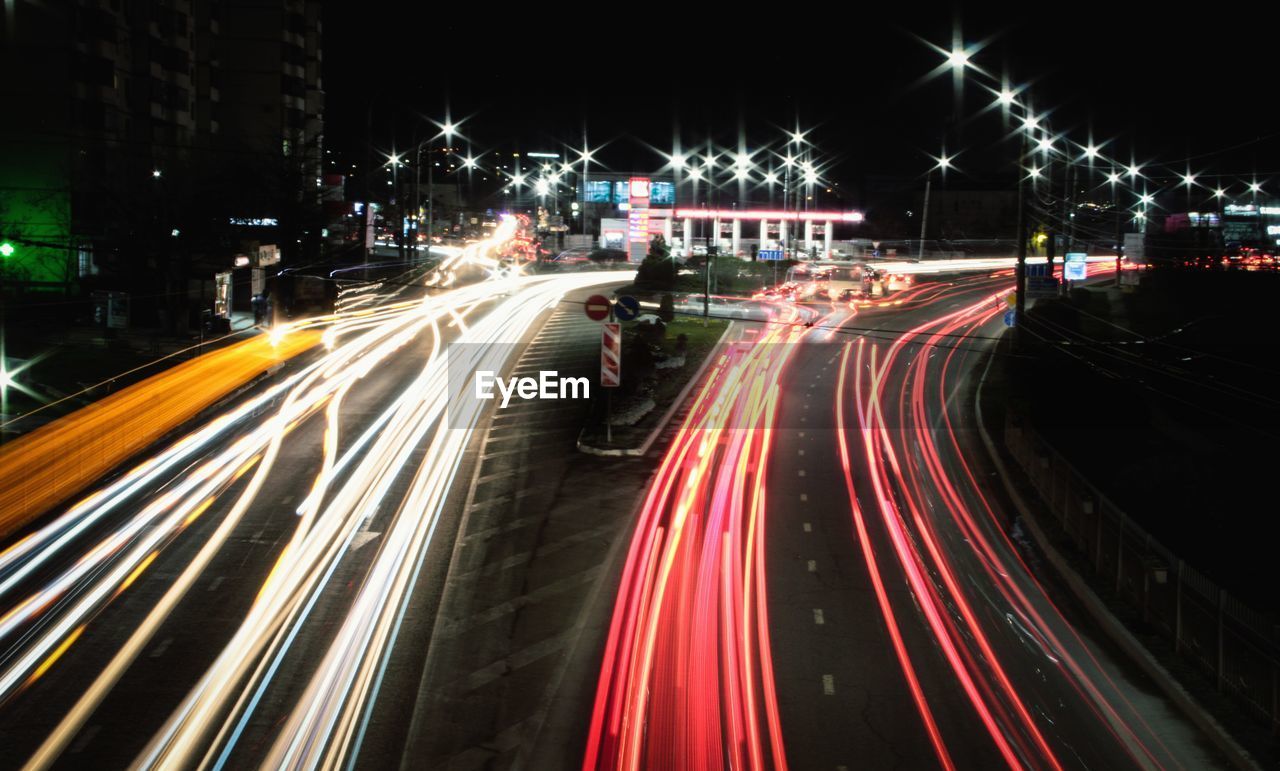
{"type": "Point", "coordinates": [6, 249]}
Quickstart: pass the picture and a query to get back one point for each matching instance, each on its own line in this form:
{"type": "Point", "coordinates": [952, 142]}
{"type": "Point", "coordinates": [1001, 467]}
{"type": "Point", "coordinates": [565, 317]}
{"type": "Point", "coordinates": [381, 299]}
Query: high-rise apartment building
{"type": "Point", "coordinates": [140, 136]}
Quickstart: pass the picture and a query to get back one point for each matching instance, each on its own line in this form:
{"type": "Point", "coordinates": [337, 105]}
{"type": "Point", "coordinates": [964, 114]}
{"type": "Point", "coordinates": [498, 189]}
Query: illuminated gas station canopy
{"type": "Point", "coordinates": [770, 214]}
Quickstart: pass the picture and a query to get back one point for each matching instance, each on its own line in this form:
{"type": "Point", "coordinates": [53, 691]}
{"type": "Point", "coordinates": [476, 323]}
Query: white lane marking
{"type": "Point", "coordinates": [801, 452]}
{"type": "Point", "coordinates": [801, 472]}
{"type": "Point", "coordinates": [159, 650]}
{"type": "Point", "coordinates": [818, 617]}
{"type": "Point", "coordinates": [808, 528]}
{"type": "Point", "coordinates": [802, 418]}
{"type": "Point", "coordinates": [806, 406]}
{"type": "Point", "coordinates": [828, 685]}
{"type": "Point", "coordinates": [363, 537]}
{"type": "Point", "coordinates": [288, 499]}
{"type": "Point", "coordinates": [813, 566]}
{"type": "Point", "coordinates": [804, 496]}
{"type": "Point", "coordinates": [215, 583]}
{"type": "Point", "coordinates": [802, 435]}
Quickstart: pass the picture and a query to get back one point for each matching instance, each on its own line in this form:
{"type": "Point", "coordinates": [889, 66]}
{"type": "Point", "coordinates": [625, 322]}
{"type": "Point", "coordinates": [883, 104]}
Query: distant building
{"type": "Point", "coordinates": [966, 214]}
{"type": "Point", "coordinates": [144, 142]}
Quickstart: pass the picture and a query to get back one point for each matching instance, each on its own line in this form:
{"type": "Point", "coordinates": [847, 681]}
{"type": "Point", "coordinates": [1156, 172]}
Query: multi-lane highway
{"type": "Point", "coordinates": [832, 582]}
{"type": "Point", "coordinates": [351, 564]}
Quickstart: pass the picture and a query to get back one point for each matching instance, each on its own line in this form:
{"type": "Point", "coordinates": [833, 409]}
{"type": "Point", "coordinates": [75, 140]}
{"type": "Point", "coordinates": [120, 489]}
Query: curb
{"type": "Point", "coordinates": [1112, 626]}
{"type": "Point", "coordinates": [635, 452]}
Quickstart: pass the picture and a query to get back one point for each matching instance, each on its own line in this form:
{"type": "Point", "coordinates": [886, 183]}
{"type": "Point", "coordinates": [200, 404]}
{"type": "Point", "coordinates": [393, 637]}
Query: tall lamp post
{"type": "Point", "coordinates": [1112, 179]}
{"type": "Point", "coordinates": [447, 130]}
{"type": "Point", "coordinates": [943, 163]}
{"type": "Point", "coordinates": [1020, 272]}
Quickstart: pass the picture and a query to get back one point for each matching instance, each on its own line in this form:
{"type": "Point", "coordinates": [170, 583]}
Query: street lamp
{"type": "Point", "coordinates": [585, 156]}
{"type": "Point", "coordinates": [394, 161]}
{"type": "Point", "coordinates": [1113, 178]}
{"type": "Point", "coordinates": [447, 129]}
{"type": "Point", "coordinates": [942, 163]}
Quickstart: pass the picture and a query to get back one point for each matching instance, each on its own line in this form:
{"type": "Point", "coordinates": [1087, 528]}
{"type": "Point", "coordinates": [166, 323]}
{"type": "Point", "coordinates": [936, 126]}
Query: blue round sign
{"type": "Point", "coordinates": [626, 308]}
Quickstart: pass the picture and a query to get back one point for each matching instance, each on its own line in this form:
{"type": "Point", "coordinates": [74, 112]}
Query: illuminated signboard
{"type": "Point", "coordinates": [598, 191]}
{"type": "Point", "coordinates": [638, 217]}
{"type": "Point", "coordinates": [1272, 210]}
{"type": "Point", "coordinates": [1242, 210]}
{"type": "Point", "coordinates": [662, 194]}
{"type": "Point", "coordinates": [638, 225]}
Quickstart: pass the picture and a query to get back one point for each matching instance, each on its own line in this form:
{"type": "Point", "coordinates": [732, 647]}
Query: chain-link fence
{"type": "Point", "coordinates": [1233, 643]}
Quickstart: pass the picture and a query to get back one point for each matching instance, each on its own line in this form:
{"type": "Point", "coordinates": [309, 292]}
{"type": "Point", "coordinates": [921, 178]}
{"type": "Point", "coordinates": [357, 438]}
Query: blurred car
{"type": "Point", "coordinates": [898, 281]}
{"type": "Point", "coordinates": [577, 254]}
{"type": "Point", "coordinates": [719, 307]}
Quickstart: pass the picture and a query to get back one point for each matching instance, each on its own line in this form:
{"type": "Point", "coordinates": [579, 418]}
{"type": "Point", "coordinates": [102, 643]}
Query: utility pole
{"type": "Point", "coordinates": [1020, 272]}
{"type": "Point", "coordinates": [1048, 216]}
{"type": "Point", "coordinates": [924, 213]}
{"type": "Point", "coordinates": [1119, 235]}
{"type": "Point", "coordinates": [1068, 217]}
{"type": "Point", "coordinates": [368, 175]}
{"type": "Point", "coordinates": [399, 206]}
{"type": "Point", "coordinates": [431, 198]}
{"type": "Point", "coordinates": [1070, 204]}
{"type": "Point", "coordinates": [706, 285]}
{"type": "Point", "coordinates": [417, 195]}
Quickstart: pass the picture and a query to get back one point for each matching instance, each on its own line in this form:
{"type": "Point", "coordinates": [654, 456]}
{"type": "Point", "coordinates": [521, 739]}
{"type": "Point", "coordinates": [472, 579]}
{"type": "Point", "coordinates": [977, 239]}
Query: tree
{"type": "Point", "coordinates": [658, 270]}
{"type": "Point", "coordinates": [667, 308]}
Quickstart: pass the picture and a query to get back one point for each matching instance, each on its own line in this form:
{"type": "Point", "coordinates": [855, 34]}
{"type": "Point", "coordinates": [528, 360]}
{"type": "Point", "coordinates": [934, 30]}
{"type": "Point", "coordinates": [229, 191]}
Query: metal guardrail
{"type": "Point", "coordinates": [1235, 644]}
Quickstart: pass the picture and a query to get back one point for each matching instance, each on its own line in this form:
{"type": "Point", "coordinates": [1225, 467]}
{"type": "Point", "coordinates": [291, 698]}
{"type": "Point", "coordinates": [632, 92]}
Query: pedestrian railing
{"type": "Point", "coordinates": [1236, 645]}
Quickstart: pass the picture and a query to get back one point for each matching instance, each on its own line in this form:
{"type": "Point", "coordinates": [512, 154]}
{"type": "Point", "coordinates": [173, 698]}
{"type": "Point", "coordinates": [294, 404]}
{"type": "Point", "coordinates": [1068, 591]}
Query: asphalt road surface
{"type": "Point", "coordinates": [233, 595]}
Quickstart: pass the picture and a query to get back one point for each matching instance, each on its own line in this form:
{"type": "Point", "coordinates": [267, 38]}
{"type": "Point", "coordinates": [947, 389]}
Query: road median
{"type": "Point", "coordinates": [667, 390]}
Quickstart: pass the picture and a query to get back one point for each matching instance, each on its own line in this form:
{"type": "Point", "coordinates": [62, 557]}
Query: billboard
{"type": "Point", "coordinates": [638, 217]}
{"type": "Point", "coordinates": [598, 191]}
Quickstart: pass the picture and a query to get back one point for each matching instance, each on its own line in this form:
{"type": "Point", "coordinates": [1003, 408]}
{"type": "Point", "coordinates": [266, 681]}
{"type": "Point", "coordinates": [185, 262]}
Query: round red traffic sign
{"type": "Point", "coordinates": [597, 307]}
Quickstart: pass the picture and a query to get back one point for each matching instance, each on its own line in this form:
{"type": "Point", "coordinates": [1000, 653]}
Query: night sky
{"type": "Point", "coordinates": [1164, 85]}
